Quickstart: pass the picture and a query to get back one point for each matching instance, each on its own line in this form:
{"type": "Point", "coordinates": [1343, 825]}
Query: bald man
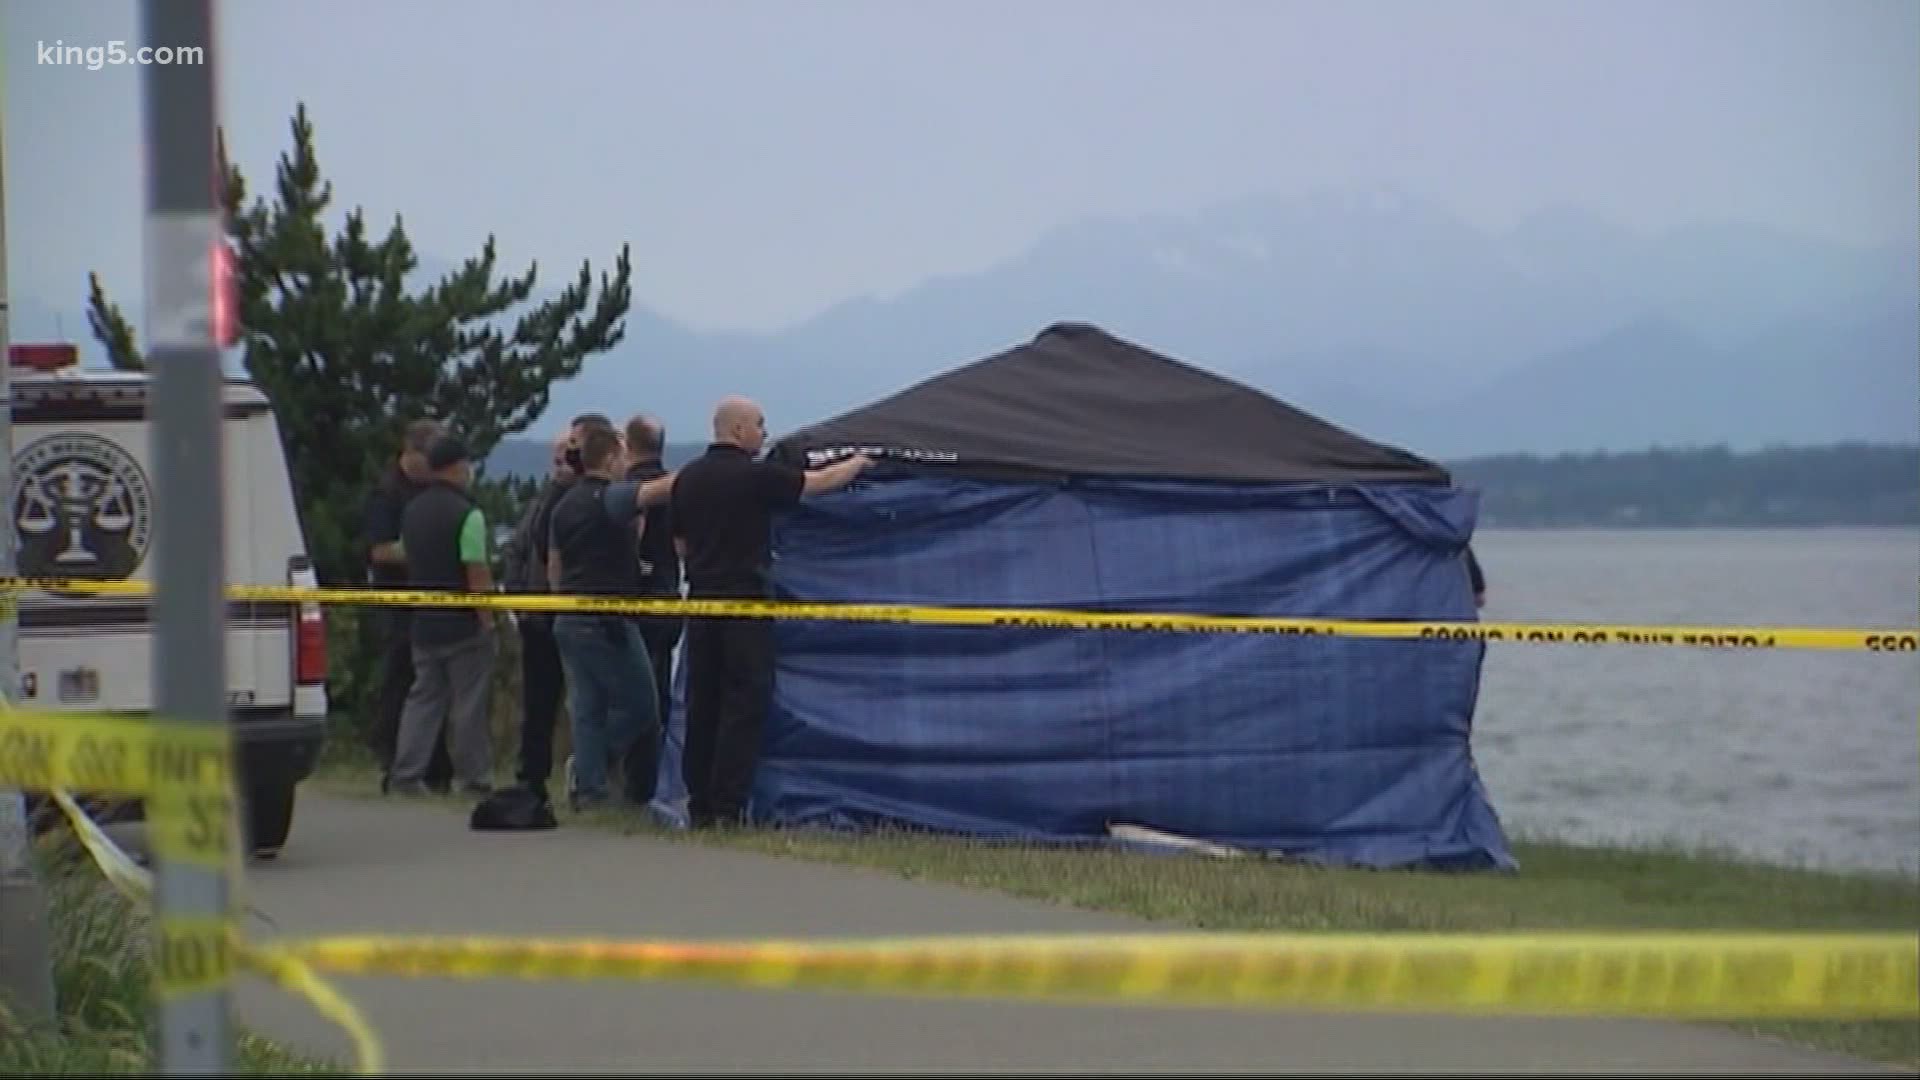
{"type": "Point", "coordinates": [721, 511]}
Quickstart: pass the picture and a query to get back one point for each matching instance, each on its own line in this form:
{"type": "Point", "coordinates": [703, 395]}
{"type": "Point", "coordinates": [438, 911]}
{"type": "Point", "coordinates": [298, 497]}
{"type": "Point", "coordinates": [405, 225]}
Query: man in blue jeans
{"type": "Point", "coordinates": [611, 692]}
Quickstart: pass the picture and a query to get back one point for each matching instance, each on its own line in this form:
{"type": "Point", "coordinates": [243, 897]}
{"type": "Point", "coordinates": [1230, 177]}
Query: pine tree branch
{"type": "Point", "coordinates": [111, 329]}
{"type": "Point", "coordinates": [348, 352]}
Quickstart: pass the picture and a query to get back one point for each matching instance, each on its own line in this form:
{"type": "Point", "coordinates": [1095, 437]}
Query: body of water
{"type": "Point", "coordinates": [1795, 756]}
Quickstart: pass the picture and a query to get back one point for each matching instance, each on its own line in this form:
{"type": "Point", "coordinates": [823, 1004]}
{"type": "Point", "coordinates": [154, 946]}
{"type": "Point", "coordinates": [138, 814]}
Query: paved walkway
{"type": "Point", "coordinates": [361, 865]}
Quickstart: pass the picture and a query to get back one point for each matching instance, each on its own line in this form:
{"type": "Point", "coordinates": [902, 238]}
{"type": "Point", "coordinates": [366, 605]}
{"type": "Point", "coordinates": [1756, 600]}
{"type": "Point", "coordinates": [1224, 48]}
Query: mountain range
{"type": "Point", "coordinates": [1389, 316]}
{"type": "Point", "coordinates": [1382, 312]}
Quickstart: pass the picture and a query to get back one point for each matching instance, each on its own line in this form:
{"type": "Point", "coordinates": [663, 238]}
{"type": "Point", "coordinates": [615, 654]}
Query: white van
{"type": "Point", "coordinates": [83, 508]}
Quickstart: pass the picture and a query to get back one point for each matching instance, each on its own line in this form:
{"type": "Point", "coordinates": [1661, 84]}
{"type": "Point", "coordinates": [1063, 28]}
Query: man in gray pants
{"type": "Point", "coordinates": [444, 535]}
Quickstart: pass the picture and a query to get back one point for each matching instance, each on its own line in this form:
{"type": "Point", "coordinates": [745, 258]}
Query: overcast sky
{"type": "Point", "coordinates": [768, 159]}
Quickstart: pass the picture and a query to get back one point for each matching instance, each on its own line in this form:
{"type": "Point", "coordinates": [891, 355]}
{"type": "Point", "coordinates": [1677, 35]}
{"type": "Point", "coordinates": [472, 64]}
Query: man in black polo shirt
{"type": "Point", "coordinates": [658, 562]}
{"type": "Point", "coordinates": [542, 677]}
{"type": "Point", "coordinates": [387, 569]}
{"type": "Point", "coordinates": [722, 510]}
{"type": "Point", "coordinates": [610, 687]}
{"type": "Point", "coordinates": [445, 535]}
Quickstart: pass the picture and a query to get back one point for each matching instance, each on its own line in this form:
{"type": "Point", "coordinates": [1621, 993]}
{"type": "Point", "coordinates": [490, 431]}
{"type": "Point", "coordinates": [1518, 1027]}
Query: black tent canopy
{"type": "Point", "coordinates": [1077, 401]}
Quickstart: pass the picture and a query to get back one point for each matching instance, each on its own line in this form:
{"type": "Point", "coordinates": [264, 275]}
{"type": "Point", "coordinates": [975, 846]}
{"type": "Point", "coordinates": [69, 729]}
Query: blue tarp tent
{"type": "Point", "coordinates": [1080, 471]}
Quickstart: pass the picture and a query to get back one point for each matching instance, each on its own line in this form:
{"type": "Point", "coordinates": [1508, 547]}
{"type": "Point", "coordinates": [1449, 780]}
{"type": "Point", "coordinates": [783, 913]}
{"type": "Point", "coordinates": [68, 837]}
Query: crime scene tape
{"type": "Point", "coordinates": [183, 771]}
{"type": "Point", "coordinates": [110, 755]}
{"type": "Point", "coordinates": [194, 953]}
{"type": "Point", "coordinates": [1714, 637]}
{"type": "Point", "coordinates": [1686, 976]}
{"type": "Point", "coordinates": [1696, 975]}
{"type": "Point", "coordinates": [181, 963]}
{"type": "Point", "coordinates": [296, 976]}
{"type": "Point", "coordinates": [127, 876]}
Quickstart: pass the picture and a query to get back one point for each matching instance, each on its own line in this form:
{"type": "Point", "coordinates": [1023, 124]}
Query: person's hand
{"type": "Point", "coordinates": [861, 463]}
{"type": "Point", "coordinates": [1479, 599]}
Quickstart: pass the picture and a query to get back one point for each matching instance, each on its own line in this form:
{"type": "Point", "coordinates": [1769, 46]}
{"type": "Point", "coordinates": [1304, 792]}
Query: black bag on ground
{"type": "Point", "coordinates": [513, 809]}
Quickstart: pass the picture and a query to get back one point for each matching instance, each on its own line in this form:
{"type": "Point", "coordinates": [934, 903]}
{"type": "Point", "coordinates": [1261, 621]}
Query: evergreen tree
{"type": "Point", "coordinates": [349, 351]}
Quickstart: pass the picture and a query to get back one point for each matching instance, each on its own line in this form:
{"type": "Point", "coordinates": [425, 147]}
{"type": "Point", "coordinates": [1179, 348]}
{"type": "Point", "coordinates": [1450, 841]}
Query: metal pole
{"type": "Point", "coordinates": [26, 954]}
{"type": "Point", "coordinates": [183, 224]}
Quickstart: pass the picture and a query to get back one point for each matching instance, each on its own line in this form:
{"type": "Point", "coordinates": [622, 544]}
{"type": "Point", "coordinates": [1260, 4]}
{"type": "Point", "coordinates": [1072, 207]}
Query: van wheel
{"type": "Point", "coordinates": [269, 820]}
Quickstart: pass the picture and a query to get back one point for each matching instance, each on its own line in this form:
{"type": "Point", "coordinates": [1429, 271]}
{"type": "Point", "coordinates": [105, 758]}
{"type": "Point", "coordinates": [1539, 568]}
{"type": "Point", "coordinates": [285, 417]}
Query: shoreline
{"type": "Point", "coordinates": [1559, 886]}
{"type": "Point", "coordinates": [346, 768]}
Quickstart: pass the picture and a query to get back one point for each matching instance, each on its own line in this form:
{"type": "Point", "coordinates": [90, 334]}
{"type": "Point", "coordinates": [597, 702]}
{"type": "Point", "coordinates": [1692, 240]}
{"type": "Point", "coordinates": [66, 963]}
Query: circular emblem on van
{"type": "Point", "coordinates": [82, 507]}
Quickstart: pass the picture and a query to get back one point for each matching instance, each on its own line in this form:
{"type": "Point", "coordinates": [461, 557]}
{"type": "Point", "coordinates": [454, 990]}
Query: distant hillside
{"type": "Point", "coordinates": [1390, 316]}
{"type": "Point", "coordinates": [1848, 485]}
{"type": "Point", "coordinates": [1384, 313]}
{"type": "Point", "coordinates": [1842, 485]}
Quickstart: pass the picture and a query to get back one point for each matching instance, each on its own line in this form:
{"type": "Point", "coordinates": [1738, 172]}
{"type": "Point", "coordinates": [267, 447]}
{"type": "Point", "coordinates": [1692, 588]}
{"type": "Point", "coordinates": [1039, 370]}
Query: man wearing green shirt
{"type": "Point", "coordinates": [445, 537]}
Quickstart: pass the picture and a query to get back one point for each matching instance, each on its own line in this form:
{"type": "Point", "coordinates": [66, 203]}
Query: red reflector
{"type": "Point", "coordinates": [310, 648]}
{"type": "Point", "coordinates": [51, 357]}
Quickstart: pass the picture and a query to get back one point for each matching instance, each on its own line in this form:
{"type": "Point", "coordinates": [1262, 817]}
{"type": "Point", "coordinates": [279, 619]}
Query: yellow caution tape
{"type": "Point", "coordinates": [128, 877]}
{"type": "Point", "coordinates": [182, 771]}
{"type": "Point", "coordinates": [288, 972]}
{"type": "Point", "coordinates": [1683, 976]}
{"type": "Point", "coordinates": [1713, 637]}
{"type": "Point", "coordinates": [194, 954]}
{"type": "Point", "coordinates": [111, 755]}
{"type": "Point", "coordinates": [195, 826]}
{"type": "Point", "coordinates": [294, 975]}
{"type": "Point", "coordinates": [1695, 975]}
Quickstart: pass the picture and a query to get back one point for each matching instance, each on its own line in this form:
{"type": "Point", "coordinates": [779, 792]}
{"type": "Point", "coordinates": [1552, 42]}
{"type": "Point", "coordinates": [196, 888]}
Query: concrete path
{"type": "Point", "coordinates": [361, 865]}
